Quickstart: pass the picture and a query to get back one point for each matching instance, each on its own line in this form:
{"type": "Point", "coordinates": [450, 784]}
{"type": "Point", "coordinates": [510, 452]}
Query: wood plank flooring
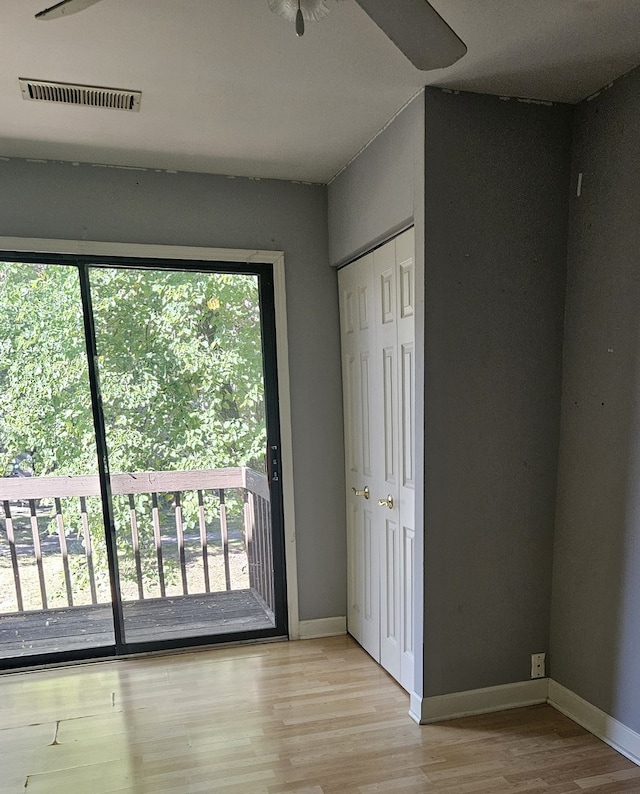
{"type": "Point", "coordinates": [49, 631]}
{"type": "Point", "coordinates": [311, 717]}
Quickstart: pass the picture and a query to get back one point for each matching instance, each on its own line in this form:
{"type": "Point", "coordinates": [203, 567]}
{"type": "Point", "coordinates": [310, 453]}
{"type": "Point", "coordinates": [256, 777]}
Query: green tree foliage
{"type": "Point", "coordinates": [45, 407]}
{"type": "Point", "coordinates": [179, 361]}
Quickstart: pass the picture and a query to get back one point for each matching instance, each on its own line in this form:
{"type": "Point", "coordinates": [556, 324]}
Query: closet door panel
{"type": "Point", "coordinates": [360, 374]}
{"type": "Point", "coordinates": [377, 306]}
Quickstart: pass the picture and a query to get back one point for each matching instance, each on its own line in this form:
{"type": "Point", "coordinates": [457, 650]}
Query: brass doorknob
{"type": "Point", "coordinates": [388, 502]}
{"type": "Point", "coordinates": [364, 492]}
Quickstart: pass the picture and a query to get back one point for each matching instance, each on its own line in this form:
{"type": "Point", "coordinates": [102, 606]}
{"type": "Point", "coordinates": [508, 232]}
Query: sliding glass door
{"type": "Point", "coordinates": [143, 399]}
{"type": "Point", "coordinates": [55, 594]}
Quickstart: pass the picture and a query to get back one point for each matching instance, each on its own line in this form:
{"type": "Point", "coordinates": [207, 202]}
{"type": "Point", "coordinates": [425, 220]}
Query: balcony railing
{"type": "Point", "coordinates": [68, 500]}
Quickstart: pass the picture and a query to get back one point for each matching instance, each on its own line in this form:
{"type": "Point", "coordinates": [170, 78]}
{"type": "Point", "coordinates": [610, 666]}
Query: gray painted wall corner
{"type": "Point", "coordinates": [495, 257]}
{"type": "Point", "coordinates": [595, 629]}
{"type": "Point", "coordinates": [375, 196]}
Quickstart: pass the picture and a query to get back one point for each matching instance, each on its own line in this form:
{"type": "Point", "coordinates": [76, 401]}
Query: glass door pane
{"type": "Point", "coordinates": [182, 385]}
{"type": "Point", "coordinates": [55, 594]}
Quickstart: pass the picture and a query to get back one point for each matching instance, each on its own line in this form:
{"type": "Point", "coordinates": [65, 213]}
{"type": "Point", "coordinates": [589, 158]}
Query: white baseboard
{"type": "Point", "coordinates": [322, 627]}
{"type": "Point", "coordinates": [597, 722]}
{"type": "Point", "coordinates": [478, 701]}
{"type": "Point", "coordinates": [528, 693]}
{"type": "Point", "coordinates": [415, 707]}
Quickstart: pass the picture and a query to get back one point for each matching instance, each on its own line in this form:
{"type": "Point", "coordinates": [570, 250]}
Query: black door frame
{"type": "Point", "coordinates": [264, 273]}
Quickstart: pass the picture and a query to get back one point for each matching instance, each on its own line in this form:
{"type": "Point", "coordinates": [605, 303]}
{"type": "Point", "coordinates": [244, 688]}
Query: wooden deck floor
{"type": "Point", "coordinates": [308, 717]}
{"type": "Point", "coordinates": [55, 630]}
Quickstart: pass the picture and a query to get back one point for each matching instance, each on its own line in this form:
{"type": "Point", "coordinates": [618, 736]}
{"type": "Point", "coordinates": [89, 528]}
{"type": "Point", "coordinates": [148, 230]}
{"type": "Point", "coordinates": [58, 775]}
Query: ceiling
{"type": "Point", "coordinates": [228, 88]}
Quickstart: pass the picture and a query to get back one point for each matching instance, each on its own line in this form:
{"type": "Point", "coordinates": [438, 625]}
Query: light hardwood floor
{"type": "Point", "coordinates": [313, 716]}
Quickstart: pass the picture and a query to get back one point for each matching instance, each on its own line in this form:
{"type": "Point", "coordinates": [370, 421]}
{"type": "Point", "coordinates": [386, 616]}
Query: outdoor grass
{"type": "Point", "coordinates": [54, 574]}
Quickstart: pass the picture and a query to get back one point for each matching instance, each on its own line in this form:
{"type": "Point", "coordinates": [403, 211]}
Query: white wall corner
{"type": "Point", "coordinates": [322, 627]}
{"type": "Point", "coordinates": [478, 701]}
{"type": "Point", "coordinates": [614, 733]}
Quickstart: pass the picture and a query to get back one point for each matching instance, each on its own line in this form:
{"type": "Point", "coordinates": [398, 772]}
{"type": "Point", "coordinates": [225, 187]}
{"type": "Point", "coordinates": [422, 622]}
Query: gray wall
{"type": "Point", "coordinates": [376, 195]}
{"type": "Point", "coordinates": [65, 201]}
{"type": "Point", "coordinates": [497, 175]}
{"type": "Point", "coordinates": [595, 637]}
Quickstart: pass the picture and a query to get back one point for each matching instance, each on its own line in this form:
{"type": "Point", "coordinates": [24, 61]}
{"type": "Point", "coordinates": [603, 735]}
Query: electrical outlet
{"type": "Point", "coordinates": [537, 665]}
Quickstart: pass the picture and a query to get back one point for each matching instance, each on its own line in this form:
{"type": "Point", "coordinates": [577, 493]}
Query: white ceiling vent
{"type": "Point", "coordinates": [87, 95]}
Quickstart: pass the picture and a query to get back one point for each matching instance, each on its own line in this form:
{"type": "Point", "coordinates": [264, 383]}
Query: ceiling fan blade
{"type": "Point", "coordinates": [65, 8]}
{"type": "Point", "coordinates": [417, 30]}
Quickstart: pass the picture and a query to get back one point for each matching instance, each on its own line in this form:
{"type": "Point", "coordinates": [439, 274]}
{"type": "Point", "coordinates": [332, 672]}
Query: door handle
{"type": "Point", "coordinates": [388, 502]}
{"type": "Point", "coordinates": [363, 492]}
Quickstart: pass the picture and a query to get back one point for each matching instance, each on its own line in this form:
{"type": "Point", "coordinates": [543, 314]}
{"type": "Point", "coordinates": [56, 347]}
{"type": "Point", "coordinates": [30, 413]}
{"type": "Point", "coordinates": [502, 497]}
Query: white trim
{"type": "Point", "coordinates": [250, 256]}
{"type": "Point", "coordinates": [286, 446]}
{"type": "Point", "coordinates": [137, 250]}
{"type": "Point", "coordinates": [415, 707]}
{"type": "Point", "coordinates": [322, 627]}
{"type": "Point", "coordinates": [614, 733]}
{"type": "Point", "coordinates": [623, 739]}
{"type": "Point", "coordinates": [478, 701]}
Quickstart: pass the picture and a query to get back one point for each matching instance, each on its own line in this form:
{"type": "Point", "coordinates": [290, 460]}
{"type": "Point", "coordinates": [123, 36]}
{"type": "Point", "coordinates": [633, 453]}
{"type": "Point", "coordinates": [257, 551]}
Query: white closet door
{"type": "Point", "coordinates": [378, 381]}
{"type": "Point", "coordinates": [387, 468]}
{"type": "Point", "coordinates": [359, 375]}
{"type": "Point", "coordinates": [405, 274]}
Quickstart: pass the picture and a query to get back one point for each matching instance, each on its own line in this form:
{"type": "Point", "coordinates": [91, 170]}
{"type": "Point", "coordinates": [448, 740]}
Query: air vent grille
{"type": "Point", "coordinates": [86, 95]}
